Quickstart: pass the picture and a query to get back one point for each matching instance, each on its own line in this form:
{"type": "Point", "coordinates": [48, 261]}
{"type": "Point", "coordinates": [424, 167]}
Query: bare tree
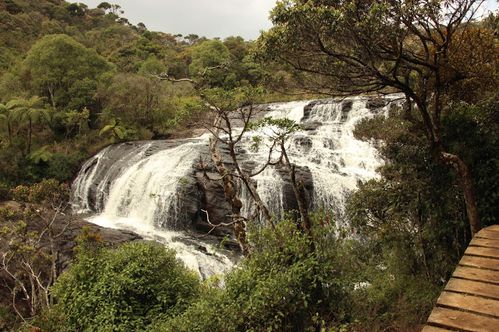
{"type": "Point", "coordinates": [31, 252]}
{"type": "Point", "coordinates": [233, 115]}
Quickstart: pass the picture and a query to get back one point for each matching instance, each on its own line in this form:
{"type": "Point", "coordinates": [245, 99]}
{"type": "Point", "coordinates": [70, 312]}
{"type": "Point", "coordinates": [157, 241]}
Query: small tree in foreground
{"type": "Point", "coordinates": [233, 116]}
{"type": "Point", "coordinates": [284, 285]}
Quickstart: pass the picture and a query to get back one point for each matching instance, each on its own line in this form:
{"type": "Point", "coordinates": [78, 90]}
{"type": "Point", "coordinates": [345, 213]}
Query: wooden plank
{"type": "Point", "coordinates": [488, 234]}
{"type": "Point", "coordinates": [429, 328]}
{"type": "Point", "coordinates": [481, 242]}
{"type": "Point", "coordinates": [493, 228]}
{"type": "Point", "coordinates": [482, 262]}
{"type": "Point", "coordinates": [470, 303]}
{"type": "Point", "coordinates": [471, 273]}
{"type": "Point", "coordinates": [473, 287]}
{"type": "Point", "coordinates": [481, 251]}
{"type": "Point", "coordinates": [461, 320]}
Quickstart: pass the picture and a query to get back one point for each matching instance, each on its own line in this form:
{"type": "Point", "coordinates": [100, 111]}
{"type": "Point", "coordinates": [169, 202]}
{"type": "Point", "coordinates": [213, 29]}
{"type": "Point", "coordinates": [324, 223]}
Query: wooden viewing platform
{"type": "Point", "coordinates": [470, 300]}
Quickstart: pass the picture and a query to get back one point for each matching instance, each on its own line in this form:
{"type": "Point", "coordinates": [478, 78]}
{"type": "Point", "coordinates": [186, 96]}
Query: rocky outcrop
{"type": "Point", "coordinates": [70, 227]}
{"type": "Point", "coordinates": [212, 197]}
{"type": "Point", "coordinates": [110, 237]}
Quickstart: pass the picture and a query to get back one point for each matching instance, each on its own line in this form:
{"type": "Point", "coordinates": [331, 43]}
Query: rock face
{"type": "Point", "coordinates": [110, 237]}
{"type": "Point", "coordinates": [70, 228]}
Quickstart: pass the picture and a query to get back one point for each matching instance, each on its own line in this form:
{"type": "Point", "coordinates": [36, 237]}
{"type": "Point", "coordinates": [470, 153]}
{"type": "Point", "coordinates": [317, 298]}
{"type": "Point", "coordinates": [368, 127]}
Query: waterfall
{"type": "Point", "coordinates": [337, 161]}
{"type": "Point", "coordinates": [326, 147]}
{"type": "Point", "coordinates": [152, 188]}
{"type": "Point", "coordinates": [141, 187]}
{"type": "Point", "coordinates": [90, 188]}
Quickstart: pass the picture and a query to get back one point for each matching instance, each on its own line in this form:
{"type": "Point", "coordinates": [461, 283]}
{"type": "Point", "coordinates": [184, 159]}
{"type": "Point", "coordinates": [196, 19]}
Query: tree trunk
{"type": "Point", "coordinates": [51, 94]}
{"type": "Point", "coordinates": [468, 187]}
{"type": "Point", "coordinates": [299, 193]}
{"type": "Point", "coordinates": [30, 129]}
{"type": "Point", "coordinates": [231, 195]}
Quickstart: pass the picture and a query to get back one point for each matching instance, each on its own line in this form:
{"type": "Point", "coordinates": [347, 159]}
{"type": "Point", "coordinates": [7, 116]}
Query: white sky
{"type": "Point", "coordinates": [210, 18]}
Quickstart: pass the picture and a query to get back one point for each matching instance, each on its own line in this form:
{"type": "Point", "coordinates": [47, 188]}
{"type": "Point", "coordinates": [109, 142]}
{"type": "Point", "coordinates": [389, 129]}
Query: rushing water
{"type": "Point", "coordinates": [142, 186]}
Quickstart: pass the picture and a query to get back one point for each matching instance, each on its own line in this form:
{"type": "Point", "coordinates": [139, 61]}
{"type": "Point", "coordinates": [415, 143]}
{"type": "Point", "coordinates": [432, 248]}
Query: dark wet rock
{"type": "Point", "coordinates": [376, 103]}
{"type": "Point", "coordinates": [303, 178]}
{"type": "Point", "coordinates": [308, 109]}
{"type": "Point", "coordinates": [110, 237]}
{"type": "Point", "coordinates": [303, 143]}
{"type": "Point", "coordinates": [346, 107]}
{"type": "Point", "coordinates": [310, 125]}
{"type": "Point", "coordinates": [328, 143]}
{"type": "Point", "coordinates": [70, 228]}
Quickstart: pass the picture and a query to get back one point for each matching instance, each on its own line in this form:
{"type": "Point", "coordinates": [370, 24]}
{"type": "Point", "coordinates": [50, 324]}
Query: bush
{"type": "Point", "coordinates": [49, 192]}
{"type": "Point", "coordinates": [123, 289]}
{"type": "Point", "coordinates": [60, 166]}
{"type": "Point", "coordinates": [285, 285]}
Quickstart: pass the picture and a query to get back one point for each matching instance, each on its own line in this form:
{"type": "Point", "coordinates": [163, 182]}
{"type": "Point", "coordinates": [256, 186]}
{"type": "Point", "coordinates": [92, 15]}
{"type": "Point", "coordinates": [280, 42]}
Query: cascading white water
{"type": "Point", "coordinates": [150, 190]}
{"type": "Point", "coordinates": [336, 160]}
{"type": "Point", "coordinates": [139, 186]}
{"type": "Point", "coordinates": [82, 184]}
{"type": "Point", "coordinates": [144, 195]}
{"type": "Point", "coordinates": [269, 188]}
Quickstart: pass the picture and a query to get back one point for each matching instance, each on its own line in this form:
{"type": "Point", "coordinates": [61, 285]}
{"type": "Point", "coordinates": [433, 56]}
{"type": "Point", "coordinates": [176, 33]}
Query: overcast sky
{"type": "Point", "coordinates": [210, 18]}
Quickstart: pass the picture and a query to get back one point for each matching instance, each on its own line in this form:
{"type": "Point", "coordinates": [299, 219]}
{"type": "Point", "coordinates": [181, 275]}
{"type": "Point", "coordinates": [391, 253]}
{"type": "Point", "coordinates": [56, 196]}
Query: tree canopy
{"type": "Point", "coordinates": [56, 63]}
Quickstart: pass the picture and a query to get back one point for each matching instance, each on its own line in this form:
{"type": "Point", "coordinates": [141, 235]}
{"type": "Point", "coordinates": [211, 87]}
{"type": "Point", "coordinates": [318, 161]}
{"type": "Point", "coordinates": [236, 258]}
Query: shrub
{"type": "Point", "coordinates": [287, 284]}
{"type": "Point", "coordinates": [123, 289]}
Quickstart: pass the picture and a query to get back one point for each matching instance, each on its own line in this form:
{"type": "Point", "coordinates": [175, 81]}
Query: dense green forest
{"type": "Point", "coordinates": [75, 79]}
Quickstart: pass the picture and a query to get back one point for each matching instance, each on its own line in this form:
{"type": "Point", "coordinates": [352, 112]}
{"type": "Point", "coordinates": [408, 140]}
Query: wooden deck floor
{"type": "Point", "coordinates": [470, 300]}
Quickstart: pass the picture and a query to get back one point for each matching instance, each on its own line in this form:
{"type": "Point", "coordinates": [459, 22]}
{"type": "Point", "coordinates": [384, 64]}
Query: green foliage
{"type": "Point", "coordinates": [390, 298]}
{"type": "Point", "coordinates": [7, 318]}
{"type": "Point", "coordinates": [208, 60]}
{"type": "Point", "coordinates": [124, 289]}
{"type": "Point", "coordinates": [84, 62]}
{"type": "Point", "coordinates": [473, 132]}
{"type": "Point", "coordinates": [413, 228]}
{"type": "Point", "coordinates": [284, 285]}
{"type": "Point", "coordinates": [73, 122]}
{"type": "Point", "coordinates": [277, 129]}
{"type": "Point", "coordinates": [231, 99]}
{"type": "Point", "coordinates": [57, 65]}
{"type": "Point", "coordinates": [40, 155]}
{"type": "Point", "coordinates": [28, 252]}
{"type": "Point", "coordinates": [149, 106]}
{"type": "Point", "coordinates": [413, 210]}
{"type": "Point", "coordinates": [152, 66]}
{"type": "Point", "coordinates": [61, 166]}
{"type": "Point", "coordinates": [116, 131]}
{"type": "Point", "coordinates": [4, 192]}
{"type": "Point", "coordinates": [49, 192]}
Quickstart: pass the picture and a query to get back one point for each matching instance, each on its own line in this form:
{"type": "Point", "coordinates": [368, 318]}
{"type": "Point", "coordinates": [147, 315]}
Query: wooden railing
{"type": "Point", "coordinates": [470, 300]}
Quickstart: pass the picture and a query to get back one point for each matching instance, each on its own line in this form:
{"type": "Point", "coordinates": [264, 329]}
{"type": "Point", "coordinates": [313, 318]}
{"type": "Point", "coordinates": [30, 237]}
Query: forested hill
{"type": "Point", "coordinates": [73, 79]}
